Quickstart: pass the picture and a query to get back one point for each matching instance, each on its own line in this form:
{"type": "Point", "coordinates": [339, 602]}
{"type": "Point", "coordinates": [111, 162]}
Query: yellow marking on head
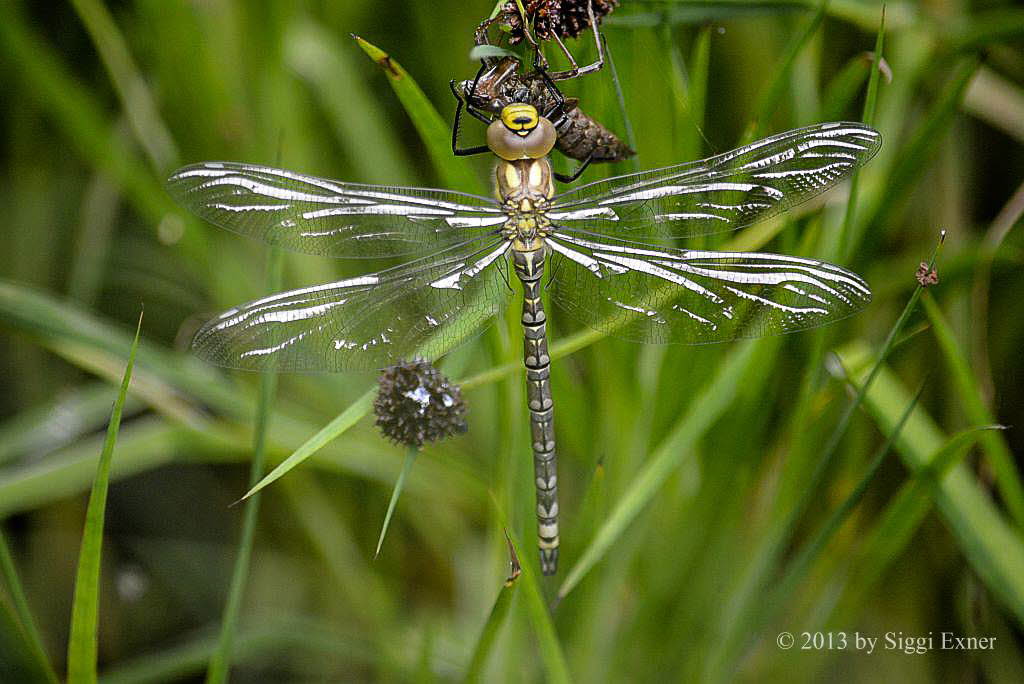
{"type": "Point", "coordinates": [525, 205]}
{"type": "Point", "coordinates": [521, 118]}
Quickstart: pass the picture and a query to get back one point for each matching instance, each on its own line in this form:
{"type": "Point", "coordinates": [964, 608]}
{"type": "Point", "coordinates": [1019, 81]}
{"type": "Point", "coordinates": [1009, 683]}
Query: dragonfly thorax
{"type": "Point", "coordinates": [525, 187]}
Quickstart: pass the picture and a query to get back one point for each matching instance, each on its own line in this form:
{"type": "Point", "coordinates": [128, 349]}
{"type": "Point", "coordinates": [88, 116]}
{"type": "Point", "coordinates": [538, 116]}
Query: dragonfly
{"type": "Point", "coordinates": [601, 244]}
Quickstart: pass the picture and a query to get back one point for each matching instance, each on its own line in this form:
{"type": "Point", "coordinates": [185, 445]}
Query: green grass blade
{"type": "Point", "coordinates": [620, 100]}
{"type": "Point", "coordinates": [346, 419]}
{"type": "Point", "coordinates": [410, 458]}
{"type": "Point", "coordinates": [801, 563]}
{"type": "Point", "coordinates": [80, 116]}
{"type": "Point", "coordinates": [220, 662]}
{"type": "Point", "coordinates": [994, 444]}
{"type": "Point", "coordinates": [83, 641]}
{"type": "Point", "coordinates": [768, 102]}
{"type": "Point", "coordinates": [868, 117]}
{"type": "Point", "coordinates": [323, 62]}
{"type": "Point", "coordinates": [137, 99]}
{"type": "Point", "coordinates": [871, 99]}
{"type": "Point", "coordinates": [67, 327]}
{"type": "Point", "coordinates": [700, 70]}
{"type": "Point", "coordinates": [553, 659]}
{"type": "Point", "coordinates": [87, 407]}
{"type": "Point", "coordinates": [20, 632]}
{"type": "Point", "coordinates": [913, 157]}
{"type": "Point", "coordinates": [992, 547]}
{"type": "Point", "coordinates": [495, 621]}
{"type": "Point", "coordinates": [434, 132]}
{"type": "Point", "coordinates": [18, 660]}
{"type": "Point", "coordinates": [704, 409]}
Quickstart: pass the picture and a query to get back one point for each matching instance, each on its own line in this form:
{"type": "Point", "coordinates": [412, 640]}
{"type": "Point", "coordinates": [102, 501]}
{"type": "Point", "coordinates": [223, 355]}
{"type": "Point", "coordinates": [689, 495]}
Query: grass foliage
{"type": "Point", "coordinates": [845, 479]}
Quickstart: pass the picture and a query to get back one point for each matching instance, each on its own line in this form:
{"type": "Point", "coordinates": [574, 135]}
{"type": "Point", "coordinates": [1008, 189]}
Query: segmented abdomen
{"type": "Point", "coordinates": [529, 266]}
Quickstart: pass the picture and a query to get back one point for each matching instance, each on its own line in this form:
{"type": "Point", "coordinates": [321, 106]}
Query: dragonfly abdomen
{"type": "Point", "coordinates": [529, 267]}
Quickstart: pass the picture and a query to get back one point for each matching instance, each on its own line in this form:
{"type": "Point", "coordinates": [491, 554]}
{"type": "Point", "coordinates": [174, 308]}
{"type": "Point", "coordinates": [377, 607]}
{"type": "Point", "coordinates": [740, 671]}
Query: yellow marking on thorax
{"type": "Point", "coordinates": [536, 176]}
{"type": "Point", "coordinates": [512, 179]}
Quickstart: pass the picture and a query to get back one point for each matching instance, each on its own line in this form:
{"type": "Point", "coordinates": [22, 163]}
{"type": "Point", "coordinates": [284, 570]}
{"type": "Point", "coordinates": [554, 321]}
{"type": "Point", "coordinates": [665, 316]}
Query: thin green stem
{"type": "Point", "coordinates": [220, 662]}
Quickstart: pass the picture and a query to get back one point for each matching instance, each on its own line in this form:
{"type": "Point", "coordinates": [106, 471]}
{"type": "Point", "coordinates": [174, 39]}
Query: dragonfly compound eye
{"type": "Point", "coordinates": [521, 133]}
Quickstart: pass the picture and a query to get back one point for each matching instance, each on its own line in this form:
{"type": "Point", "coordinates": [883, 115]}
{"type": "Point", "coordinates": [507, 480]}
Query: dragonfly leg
{"type": "Point", "coordinates": [457, 124]}
{"type": "Point", "coordinates": [562, 178]}
{"type": "Point", "coordinates": [576, 70]}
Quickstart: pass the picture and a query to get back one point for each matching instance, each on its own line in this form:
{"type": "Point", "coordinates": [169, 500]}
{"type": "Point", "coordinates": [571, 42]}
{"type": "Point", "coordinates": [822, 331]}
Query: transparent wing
{"type": "Point", "coordinates": [318, 216]}
{"type": "Point", "coordinates": [697, 297]}
{"type": "Point", "coordinates": [424, 308]}
{"type": "Point", "coordinates": [721, 193]}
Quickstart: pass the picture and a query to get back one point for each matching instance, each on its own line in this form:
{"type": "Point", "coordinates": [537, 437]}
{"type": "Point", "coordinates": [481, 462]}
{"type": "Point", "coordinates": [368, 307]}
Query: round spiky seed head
{"type": "Point", "coordinates": [416, 404]}
{"type": "Point", "coordinates": [562, 18]}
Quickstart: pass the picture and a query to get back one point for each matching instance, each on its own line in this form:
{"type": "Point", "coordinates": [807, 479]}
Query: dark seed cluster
{"type": "Point", "coordinates": [416, 404]}
{"type": "Point", "coordinates": [549, 18]}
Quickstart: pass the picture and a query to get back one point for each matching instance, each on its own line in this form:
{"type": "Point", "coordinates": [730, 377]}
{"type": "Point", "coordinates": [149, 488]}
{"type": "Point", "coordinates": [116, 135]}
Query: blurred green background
{"type": "Point", "coordinates": [702, 513]}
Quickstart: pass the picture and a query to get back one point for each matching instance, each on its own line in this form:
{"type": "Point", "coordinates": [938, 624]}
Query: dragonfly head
{"type": "Point", "coordinates": [521, 133]}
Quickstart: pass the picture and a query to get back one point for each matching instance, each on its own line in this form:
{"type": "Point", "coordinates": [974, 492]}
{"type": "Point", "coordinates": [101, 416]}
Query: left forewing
{"type": "Point", "coordinates": [331, 218]}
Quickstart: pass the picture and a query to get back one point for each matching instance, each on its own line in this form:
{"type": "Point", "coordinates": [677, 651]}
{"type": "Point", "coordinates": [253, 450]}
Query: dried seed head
{"type": "Point", "coordinates": [416, 404]}
{"type": "Point", "coordinates": [926, 277]}
{"type": "Point", "coordinates": [549, 18]}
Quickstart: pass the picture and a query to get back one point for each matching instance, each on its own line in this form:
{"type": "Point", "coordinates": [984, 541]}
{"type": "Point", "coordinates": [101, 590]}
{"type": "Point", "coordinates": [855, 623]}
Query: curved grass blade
{"type": "Point", "coordinates": [137, 100]}
{"type": "Point", "coordinates": [346, 419]}
{"type": "Point", "coordinates": [22, 654]}
{"type": "Point", "coordinates": [556, 669]}
{"type": "Point", "coordinates": [434, 132]}
{"type": "Point", "coordinates": [495, 621]}
{"type": "Point", "coordinates": [999, 455]}
{"type": "Point", "coordinates": [220, 662]}
{"type": "Point", "coordinates": [801, 563]}
{"type": "Point", "coordinates": [770, 97]}
{"type": "Point", "coordinates": [868, 117]}
{"type": "Point", "coordinates": [83, 642]}
{"type": "Point", "coordinates": [704, 410]}
{"type": "Point", "coordinates": [410, 458]}
{"type": "Point", "coordinates": [992, 547]}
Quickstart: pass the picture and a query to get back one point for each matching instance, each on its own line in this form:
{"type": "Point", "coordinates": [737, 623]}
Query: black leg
{"type": "Point", "coordinates": [456, 150]}
{"type": "Point", "coordinates": [457, 123]}
{"type": "Point", "coordinates": [562, 178]}
{"type": "Point", "coordinates": [557, 110]}
{"type": "Point", "coordinates": [476, 113]}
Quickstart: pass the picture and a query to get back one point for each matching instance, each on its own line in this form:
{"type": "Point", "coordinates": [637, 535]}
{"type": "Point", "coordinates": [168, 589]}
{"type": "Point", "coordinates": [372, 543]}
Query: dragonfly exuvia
{"type": "Point", "coordinates": [589, 238]}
